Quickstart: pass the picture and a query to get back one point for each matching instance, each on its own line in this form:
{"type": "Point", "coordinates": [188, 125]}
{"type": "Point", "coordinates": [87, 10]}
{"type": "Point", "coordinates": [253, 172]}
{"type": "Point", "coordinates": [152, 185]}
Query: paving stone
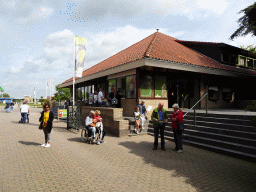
{"type": "Point", "coordinates": [120, 164]}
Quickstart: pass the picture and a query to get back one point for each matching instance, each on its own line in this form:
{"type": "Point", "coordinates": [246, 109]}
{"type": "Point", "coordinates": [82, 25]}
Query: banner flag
{"type": "Point", "coordinates": [1, 89]}
{"type": "Point", "coordinates": [80, 48]}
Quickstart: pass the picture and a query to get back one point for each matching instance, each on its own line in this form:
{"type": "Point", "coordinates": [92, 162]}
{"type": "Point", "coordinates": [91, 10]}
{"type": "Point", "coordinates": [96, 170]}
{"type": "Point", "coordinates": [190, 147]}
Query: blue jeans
{"type": "Point", "coordinates": [24, 117]}
{"type": "Point", "coordinates": [93, 129]}
{"type": "Point", "coordinates": [100, 104]}
{"type": "Point", "coordinates": [11, 108]}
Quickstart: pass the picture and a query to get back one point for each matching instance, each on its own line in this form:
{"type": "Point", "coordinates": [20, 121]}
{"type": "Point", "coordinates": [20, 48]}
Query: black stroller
{"type": "Point", "coordinates": [27, 121]}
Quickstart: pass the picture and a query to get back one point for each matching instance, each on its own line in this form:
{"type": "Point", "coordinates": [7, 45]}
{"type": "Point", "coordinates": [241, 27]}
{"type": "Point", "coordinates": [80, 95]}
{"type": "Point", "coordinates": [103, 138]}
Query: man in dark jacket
{"type": "Point", "coordinates": [159, 118]}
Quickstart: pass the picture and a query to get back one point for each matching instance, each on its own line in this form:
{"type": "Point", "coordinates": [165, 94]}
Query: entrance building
{"type": "Point", "coordinates": [162, 68]}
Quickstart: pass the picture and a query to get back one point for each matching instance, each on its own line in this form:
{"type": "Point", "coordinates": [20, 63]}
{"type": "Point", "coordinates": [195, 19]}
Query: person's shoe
{"type": "Point", "coordinates": [47, 145]}
{"type": "Point", "coordinates": [163, 148]}
{"type": "Point", "coordinates": [98, 142]}
{"type": "Point", "coordinates": [43, 145]}
{"type": "Point", "coordinates": [138, 133]}
{"type": "Point", "coordinates": [154, 148]}
{"type": "Point", "coordinates": [180, 151]}
{"type": "Point", "coordinates": [93, 140]}
{"type": "Point", "coordinates": [102, 141]}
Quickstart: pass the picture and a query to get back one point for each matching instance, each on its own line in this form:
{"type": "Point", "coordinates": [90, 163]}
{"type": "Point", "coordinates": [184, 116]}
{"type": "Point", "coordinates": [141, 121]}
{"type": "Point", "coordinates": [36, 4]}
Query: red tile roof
{"type": "Point", "coordinates": [163, 47]}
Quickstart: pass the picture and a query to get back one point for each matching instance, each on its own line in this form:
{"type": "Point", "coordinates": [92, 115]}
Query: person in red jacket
{"type": "Point", "coordinates": [177, 117]}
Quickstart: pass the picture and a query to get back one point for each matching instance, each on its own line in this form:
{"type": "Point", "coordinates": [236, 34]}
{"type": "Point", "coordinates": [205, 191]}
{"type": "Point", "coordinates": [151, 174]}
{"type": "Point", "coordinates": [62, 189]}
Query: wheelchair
{"type": "Point", "coordinates": [27, 120]}
{"type": "Point", "coordinates": [86, 135]}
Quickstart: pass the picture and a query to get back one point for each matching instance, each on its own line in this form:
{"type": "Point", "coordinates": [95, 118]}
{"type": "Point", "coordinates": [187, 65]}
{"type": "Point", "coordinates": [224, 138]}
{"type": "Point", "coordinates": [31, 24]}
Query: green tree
{"type": "Point", "coordinates": [247, 23]}
{"type": "Point", "coordinates": [41, 99]}
{"type": "Point", "coordinates": [249, 48]}
{"type": "Point", "coordinates": [5, 95]}
{"type": "Point", "coordinates": [61, 94]}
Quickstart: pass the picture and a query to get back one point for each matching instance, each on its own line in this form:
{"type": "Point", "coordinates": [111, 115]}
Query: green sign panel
{"type": "Point", "coordinates": [62, 113]}
{"type": "Point", "coordinates": [160, 87]}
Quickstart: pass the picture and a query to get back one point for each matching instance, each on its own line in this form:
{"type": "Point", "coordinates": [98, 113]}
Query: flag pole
{"type": "Point", "coordinates": [74, 60]}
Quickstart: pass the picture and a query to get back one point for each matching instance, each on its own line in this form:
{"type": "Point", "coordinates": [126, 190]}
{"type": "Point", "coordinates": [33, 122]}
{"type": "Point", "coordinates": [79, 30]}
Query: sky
{"type": "Point", "coordinates": [37, 36]}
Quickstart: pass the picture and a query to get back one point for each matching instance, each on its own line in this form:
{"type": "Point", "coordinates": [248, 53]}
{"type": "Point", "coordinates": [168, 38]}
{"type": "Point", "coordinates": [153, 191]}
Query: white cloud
{"type": "Point", "coordinates": [125, 9]}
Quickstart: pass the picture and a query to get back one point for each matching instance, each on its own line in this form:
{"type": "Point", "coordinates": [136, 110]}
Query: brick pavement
{"type": "Point", "coordinates": [121, 164]}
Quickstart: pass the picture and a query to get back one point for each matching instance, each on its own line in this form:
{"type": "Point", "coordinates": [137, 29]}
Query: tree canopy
{"type": "Point", "coordinates": [249, 48]}
{"type": "Point", "coordinates": [247, 23]}
{"type": "Point", "coordinates": [61, 94]}
{"type": "Point", "coordinates": [5, 95]}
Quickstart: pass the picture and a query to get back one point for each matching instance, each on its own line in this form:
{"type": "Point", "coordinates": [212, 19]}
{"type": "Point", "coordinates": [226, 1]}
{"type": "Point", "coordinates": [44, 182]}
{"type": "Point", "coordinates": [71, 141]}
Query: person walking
{"type": "Point", "coordinates": [143, 113]}
{"type": "Point", "coordinates": [159, 118]}
{"type": "Point", "coordinates": [11, 106]}
{"type": "Point", "coordinates": [95, 99]}
{"type": "Point", "coordinates": [24, 110]}
{"type": "Point", "coordinates": [118, 97]}
{"type": "Point", "coordinates": [177, 117]}
{"type": "Point", "coordinates": [100, 98]}
{"type": "Point", "coordinates": [46, 120]}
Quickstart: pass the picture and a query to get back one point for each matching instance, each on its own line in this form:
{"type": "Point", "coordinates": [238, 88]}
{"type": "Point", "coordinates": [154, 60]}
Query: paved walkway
{"type": "Point", "coordinates": [121, 164]}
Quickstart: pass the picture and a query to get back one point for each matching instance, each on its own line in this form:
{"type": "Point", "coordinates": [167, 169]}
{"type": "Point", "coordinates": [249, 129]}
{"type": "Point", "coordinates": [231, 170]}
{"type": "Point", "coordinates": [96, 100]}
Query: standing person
{"type": "Point", "coordinates": [66, 104]}
{"type": "Point", "coordinates": [91, 123]}
{"type": "Point", "coordinates": [7, 107]}
{"type": "Point", "coordinates": [159, 118]}
{"type": "Point", "coordinates": [143, 112]}
{"type": "Point", "coordinates": [95, 99]}
{"type": "Point", "coordinates": [100, 98]}
{"type": "Point", "coordinates": [11, 106]}
{"type": "Point", "coordinates": [177, 117]}
{"type": "Point", "coordinates": [100, 125]}
{"type": "Point", "coordinates": [46, 120]}
{"type": "Point", "coordinates": [118, 97]}
{"type": "Point", "coordinates": [110, 97]}
{"type": "Point", "coordinates": [137, 116]}
{"type": "Point", "coordinates": [24, 110]}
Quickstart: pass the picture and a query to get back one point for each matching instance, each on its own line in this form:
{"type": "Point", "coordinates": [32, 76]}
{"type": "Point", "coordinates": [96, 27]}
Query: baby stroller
{"type": "Point", "coordinates": [27, 121]}
{"type": "Point", "coordinates": [86, 134]}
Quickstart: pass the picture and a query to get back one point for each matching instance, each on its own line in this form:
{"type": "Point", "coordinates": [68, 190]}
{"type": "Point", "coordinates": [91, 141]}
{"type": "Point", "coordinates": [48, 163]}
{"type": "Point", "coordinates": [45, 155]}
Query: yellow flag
{"type": "Point", "coordinates": [80, 46]}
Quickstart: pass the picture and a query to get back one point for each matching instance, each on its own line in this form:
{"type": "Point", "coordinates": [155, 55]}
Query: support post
{"type": "Point", "coordinates": [194, 116]}
{"type": "Point", "coordinates": [58, 115]}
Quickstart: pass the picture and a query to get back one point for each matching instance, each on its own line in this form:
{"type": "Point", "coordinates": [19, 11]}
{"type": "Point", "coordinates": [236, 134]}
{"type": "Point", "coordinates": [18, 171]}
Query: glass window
{"type": "Point", "coordinates": [146, 86]}
{"type": "Point", "coordinates": [112, 86]}
{"type": "Point", "coordinates": [225, 57]}
{"type": "Point", "coordinates": [82, 93]}
{"type": "Point", "coordinates": [86, 94]}
{"type": "Point", "coordinates": [234, 58]}
{"type": "Point", "coordinates": [213, 93]}
{"type": "Point", "coordinates": [79, 94]}
{"type": "Point", "coordinates": [131, 86]}
{"type": "Point", "coordinates": [254, 66]}
{"type": "Point", "coordinates": [160, 87]}
{"type": "Point", "coordinates": [242, 61]}
{"type": "Point", "coordinates": [250, 62]}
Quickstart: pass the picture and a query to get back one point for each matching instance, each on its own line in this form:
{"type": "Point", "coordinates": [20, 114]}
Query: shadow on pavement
{"type": "Point", "coordinates": [206, 171]}
{"type": "Point", "coordinates": [29, 143]}
{"type": "Point", "coordinates": [75, 139]}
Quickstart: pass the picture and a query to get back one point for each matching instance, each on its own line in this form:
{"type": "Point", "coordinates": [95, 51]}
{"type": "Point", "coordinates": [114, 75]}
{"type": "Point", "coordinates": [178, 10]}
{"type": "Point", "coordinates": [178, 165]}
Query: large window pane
{"type": "Point", "coordinates": [112, 86]}
{"type": "Point", "coordinates": [131, 86]}
{"type": "Point", "coordinates": [234, 58]}
{"type": "Point", "coordinates": [242, 61]}
{"type": "Point", "coordinates": [160, 87]}
{"type": "Point", "coordinates": [250, 62]}
{"type": "Point", "coordinates": [225, 57]}
{"type": "Point", "coordinates": [146, 86]}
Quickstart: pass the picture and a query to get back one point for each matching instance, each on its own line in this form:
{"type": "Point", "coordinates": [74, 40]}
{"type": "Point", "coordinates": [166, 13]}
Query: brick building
{"type": "Point", "coordinates": [162, 68]}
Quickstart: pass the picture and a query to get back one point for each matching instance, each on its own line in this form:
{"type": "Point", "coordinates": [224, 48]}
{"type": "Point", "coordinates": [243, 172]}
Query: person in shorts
{"type": "Point", "coordinates": [137, 116]}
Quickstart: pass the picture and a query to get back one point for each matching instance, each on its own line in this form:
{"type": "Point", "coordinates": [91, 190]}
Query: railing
{"type": "Point", "coordinates": [206, 107]}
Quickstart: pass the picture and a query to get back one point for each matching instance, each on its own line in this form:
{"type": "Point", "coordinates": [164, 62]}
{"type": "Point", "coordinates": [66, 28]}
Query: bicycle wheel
{"type": "Point", "coordinates": [84, 135]}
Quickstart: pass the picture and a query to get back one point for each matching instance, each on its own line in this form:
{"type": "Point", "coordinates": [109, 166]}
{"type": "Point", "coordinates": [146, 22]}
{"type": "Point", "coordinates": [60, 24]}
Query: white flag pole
{"type": "Point", "coordinates": [74, 60]}
{"type": "Point", "coordinates": [50, 88]}
{"type": "Point", "coordinates": [53, 87]}
{"type": "Point", "coordinates": [46, 87]}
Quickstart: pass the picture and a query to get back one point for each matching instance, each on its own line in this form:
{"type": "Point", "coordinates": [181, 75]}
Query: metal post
{"type": "Point", "coordinates": [195, 116]}
{"type": "Point", "coordinates": [74, 52]}
{"type": "Point", "coordinates": [58, 115]}
{"type": "Point", "coordinates": [206, 104]}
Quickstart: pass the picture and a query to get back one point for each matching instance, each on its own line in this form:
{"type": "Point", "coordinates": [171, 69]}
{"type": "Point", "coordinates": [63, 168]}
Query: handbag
{"type": "Point", "coordinates": [180, 126]}
{"type": "Point", "coordinates": [40, 126]}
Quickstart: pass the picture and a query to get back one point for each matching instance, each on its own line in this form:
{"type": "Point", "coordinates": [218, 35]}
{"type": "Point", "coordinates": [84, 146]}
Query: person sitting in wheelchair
{"type": "Point", "coordinates": [90, 122]}
{"type": "Point", "coordinates": [99, 124]}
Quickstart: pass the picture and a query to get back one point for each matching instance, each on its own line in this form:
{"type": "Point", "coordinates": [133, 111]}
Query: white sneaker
{"type": "Point", "coordinates": [47, 145]}
{"type": "Point", "coordinates": [98, 142]}
{"type": "Point", "coordinates": [43, 145]}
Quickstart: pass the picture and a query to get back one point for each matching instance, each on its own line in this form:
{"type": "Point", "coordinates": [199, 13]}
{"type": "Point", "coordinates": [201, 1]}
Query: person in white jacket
{"type": "Point", "coordinates": [91, 122]}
